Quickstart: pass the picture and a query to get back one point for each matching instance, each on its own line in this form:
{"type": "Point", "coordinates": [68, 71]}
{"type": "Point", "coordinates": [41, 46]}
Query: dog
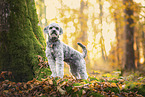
{"type": "Point", "coordinates": [57, 52]}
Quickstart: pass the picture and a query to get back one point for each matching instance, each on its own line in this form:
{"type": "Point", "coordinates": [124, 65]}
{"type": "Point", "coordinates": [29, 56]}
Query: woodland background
{"type": "Point", "coordinates": [112, 30]}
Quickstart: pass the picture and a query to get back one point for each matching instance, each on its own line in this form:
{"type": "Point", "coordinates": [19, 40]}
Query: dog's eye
{"type": "Point", "coordinates": [50, 27]}
{"type": "Point", "coordinates": [56, 28]}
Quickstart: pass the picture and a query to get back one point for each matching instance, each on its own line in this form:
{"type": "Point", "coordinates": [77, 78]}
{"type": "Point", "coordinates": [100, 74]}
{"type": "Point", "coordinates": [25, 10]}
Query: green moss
{"type": "Point", "coordinates": [34, 20]}
{"type": "Point", "coordinates": [140, 89]}
{"type": "Point", "coordinates": [24, 41]}
{"type": "Point", "coordinates": [94, 94]}
{"type": "Point", "coordinates": [112, 89]}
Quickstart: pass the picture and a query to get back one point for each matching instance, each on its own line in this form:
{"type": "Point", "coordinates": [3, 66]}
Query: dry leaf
{"type": "Point", "coordinates": [63, 92]}
{"type": "Point", "coordinates": [50, 81]}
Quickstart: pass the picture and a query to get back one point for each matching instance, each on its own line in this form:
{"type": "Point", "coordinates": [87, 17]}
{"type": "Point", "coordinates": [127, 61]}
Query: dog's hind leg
{"type": "Point", "coordinates": [82, 69]}
{"type": "Point", "coordinates": [74, 71]}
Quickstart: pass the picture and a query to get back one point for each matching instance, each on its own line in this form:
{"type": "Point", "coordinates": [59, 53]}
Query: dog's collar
{"type": "Point", "coordinates": [51, 44]}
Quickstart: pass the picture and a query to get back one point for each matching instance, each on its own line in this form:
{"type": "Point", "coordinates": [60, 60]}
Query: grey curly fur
{"type": "Point", "coordinates": [57, 52]}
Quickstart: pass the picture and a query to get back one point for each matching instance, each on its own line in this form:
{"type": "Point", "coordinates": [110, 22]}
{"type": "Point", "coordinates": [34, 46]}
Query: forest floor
{"type": "Point", "coordinates": [106, 85]}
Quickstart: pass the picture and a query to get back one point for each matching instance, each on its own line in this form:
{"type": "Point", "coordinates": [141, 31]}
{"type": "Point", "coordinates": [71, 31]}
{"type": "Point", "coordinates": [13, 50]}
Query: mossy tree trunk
{"type": "Point", "coordinates": [22, 40]}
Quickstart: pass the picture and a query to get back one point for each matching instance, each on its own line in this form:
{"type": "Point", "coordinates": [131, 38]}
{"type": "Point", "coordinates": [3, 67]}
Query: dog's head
{"type": "Point", "coordinates": [53, 30]}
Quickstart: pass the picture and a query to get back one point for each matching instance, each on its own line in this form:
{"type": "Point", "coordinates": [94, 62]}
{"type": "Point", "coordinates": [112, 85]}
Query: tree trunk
{"type": "Point", "coordinates": [83, 21]}
{"type": "Point", "coordinates": [129, 60]}
{"type": "Point", "coordinates": [21, 39]}
{"type": "Point", "coordinates": [118, 40]}
{"type": "Point", "coordinates": [104, 55]}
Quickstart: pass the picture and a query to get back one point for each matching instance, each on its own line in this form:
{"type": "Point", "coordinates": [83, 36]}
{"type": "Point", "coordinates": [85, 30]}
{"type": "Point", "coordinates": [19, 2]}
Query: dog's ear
{"type": "Point", "coordinates": [61, 31]}
{"type": "Point", "coordinates": [46, 29]}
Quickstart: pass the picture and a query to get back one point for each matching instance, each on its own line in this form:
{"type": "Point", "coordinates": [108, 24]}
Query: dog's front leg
{"type": "Point", "coordinates": [52, 66]}
{"type": "Point", "coordinates": [59, 67]}
{"type": "Point", "coordinates": [59, 62]}
{"type": "Point", "coordinates": [51, 62]}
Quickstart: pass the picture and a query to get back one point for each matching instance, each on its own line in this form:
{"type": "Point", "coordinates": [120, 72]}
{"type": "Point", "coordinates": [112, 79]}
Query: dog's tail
{"type": "Point", "coordinates": [84, 49]}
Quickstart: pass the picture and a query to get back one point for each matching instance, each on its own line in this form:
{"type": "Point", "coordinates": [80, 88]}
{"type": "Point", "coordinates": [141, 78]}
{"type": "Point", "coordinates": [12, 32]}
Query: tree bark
{"type": "Point", "coordinates": [21, 39]}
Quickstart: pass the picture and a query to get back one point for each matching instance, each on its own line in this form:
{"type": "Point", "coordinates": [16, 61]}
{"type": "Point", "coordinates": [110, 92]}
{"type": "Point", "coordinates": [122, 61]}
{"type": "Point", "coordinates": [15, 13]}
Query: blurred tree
{"type": "Point", "coordinates": [21, 39]}
{"type": "Point", "coordinates": [129, 59]}
{"type": "Point", "coordinates": [139, 36]}
{"type": "Point", "coordinates": [117, 37]}
{"type": "Point", "coordinates": [83, 18]}
{"type": "Point", "coordinates": [116, 52]}
{"type": "Point", "coordinates": [104, 55]}
{"type": "Point", "coordinates": [117, 12]}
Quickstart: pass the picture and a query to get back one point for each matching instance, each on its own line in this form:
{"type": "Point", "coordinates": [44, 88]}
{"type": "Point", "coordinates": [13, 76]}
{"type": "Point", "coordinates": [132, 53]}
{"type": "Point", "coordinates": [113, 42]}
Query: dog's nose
{"type": "Point", "coordinates": [54, 31]}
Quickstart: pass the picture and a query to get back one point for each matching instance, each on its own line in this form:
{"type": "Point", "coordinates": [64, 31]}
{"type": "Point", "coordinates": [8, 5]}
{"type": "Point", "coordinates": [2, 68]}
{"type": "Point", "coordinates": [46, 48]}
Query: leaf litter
{"type": "Point", "coordinates": [66, 87]}
{"type": "Point", "coordinates": [109, 85]}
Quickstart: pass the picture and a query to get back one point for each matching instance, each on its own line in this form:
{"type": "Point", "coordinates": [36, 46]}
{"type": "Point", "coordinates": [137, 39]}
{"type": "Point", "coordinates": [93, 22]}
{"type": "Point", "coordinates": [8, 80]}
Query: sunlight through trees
{"type": "Point", "coordinates": [100, 25]}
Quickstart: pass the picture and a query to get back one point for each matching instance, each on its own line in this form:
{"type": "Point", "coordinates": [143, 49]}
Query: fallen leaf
{"type": "Point", "coordinates": [83, 92]}
{"type": "Point", "coordinates": [46, 88]}
{"type": "Point", "coordinates": [50, 81]}
{"type": "Point", "coordinates": [63, 92]}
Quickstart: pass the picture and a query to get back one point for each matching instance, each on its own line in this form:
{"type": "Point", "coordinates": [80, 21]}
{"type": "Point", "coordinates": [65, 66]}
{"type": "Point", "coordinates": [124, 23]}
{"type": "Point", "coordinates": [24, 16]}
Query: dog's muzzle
{"type": "Point", "coordinates": [54, 33]}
